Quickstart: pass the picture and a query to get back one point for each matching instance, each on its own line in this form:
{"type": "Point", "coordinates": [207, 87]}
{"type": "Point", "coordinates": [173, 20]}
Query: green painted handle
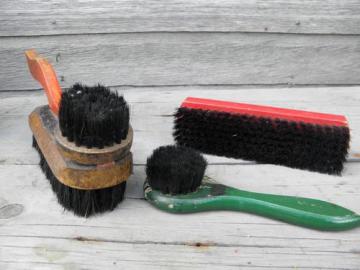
{"type": "Point", "coordinates": [304, 212]}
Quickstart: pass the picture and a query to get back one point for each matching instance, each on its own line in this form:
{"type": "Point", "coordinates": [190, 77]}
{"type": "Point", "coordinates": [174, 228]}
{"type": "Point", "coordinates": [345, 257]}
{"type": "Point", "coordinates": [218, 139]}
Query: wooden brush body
{"type": "Point", "coordinates": [80, 167]}
{"type": "Point", "coordinates": [294, 138]}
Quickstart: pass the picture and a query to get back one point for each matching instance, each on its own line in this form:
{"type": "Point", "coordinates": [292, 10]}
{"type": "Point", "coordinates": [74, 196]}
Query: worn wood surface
{"type": "Point", "coordinates": [152, 108]}
{"type": "Point", "coordinates": [185, 59]}
{"type": "Point", "coordinates": [24, 17]}
{"type": "Point", "coordinates": [183, 42]}
{"type": "Point", "coordinates": [35, 233]}
{"type": "Point", "coordinates": [216, 42]}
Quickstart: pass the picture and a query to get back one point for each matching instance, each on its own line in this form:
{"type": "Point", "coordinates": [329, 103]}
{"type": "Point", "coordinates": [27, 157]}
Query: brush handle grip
{"type": "Point", "coordinates": [42, 71]}
{"type": "Point", "coordinates": [300, 211]}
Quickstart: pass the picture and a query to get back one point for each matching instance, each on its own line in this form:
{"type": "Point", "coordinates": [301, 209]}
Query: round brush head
{"type": "Point", "coordinates": [175, 169]}
{"type": "Point", "coordinates": [93, 116]}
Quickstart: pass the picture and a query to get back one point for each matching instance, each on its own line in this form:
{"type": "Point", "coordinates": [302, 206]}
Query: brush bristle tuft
{"type": "Point", "coordinates": [175, 169]}
{"type": "Point", "coordinates": [82, 202]}
{"type": "Point", "coordinates": [93, 116]}
{"type": "Point", "coordinates": [297, 145]}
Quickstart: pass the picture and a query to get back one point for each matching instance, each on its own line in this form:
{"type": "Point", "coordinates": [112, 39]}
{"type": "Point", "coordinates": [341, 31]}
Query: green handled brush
{"type": "Point", "coordinates": [176, 184]}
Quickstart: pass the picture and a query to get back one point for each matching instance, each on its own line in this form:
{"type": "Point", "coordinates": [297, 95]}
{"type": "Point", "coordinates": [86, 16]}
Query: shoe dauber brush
{"type": "Point", "coordinates": [83, 138]}
{"type": "Point", "coordinates": [176, 183]}
{"type": "Point", "coordinates": [298, 139]}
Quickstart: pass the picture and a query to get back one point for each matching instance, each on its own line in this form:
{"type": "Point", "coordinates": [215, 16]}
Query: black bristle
{"type": "Point", "coordinates": [82, 202]}
{"type": "Point", "coordinates": [93, 116]}
{"type": "Point", "coordinates": [175, 169]}
{"type": "Point", "coordinates": [297, 145]}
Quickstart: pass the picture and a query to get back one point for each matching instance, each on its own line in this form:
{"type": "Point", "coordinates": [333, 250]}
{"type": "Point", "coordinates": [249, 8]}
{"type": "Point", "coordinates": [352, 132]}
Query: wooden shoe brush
{"type": "Point", "coordinates": [83, 137]}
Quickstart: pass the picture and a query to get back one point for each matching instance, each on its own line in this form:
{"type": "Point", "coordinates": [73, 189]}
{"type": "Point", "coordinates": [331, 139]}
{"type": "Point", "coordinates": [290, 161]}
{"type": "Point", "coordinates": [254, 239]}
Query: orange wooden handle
{"type": "Point", "coordinates": [43, 72]}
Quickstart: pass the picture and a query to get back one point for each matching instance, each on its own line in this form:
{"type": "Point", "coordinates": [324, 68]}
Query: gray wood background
{"type": "Point", "coordinates": [188, 42]}
{"type": "Point", "coordinates": [157, 52]}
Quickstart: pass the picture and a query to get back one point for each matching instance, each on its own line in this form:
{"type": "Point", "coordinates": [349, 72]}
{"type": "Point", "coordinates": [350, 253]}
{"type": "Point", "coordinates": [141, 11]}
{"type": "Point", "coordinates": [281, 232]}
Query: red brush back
{"type": "Point", "coordinates": [265, 111]}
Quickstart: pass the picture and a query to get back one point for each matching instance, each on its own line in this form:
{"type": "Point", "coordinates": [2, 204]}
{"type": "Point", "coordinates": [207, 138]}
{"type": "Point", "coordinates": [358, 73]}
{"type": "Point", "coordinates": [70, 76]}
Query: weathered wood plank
{"type": "Point", "coordinates": [41, 232]}
{"type": "Point", "coordinates": [115, 16]}
{"type": "Point", "coordinates": [186, 59]}
{"type": "Point", "coordinates": [152, 109]}
{"type": "Point", "coordinates": [344, 190]}
{"type": "Point", "coordinates": [37, 234]}
{"type": "Point", "coordinates": [84, 254]}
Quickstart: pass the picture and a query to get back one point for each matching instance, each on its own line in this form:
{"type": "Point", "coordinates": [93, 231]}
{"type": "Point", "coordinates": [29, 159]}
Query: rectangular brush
{"type": "Point", "coordinates": [294, 138]}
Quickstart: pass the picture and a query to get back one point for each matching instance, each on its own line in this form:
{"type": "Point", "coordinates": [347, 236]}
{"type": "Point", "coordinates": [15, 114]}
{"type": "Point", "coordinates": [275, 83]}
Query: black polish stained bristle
{"type": "Point", "coordinates": [82, 202]}
{"type": "Point", "coordinates": [93, 116]}
{"type": "Point", "coordinates": [175, 169]}
{"type": "Point", "coordinates": [297, 145]}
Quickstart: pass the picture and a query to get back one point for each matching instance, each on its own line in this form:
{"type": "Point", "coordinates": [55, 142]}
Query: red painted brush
{"type": "Point", "coordinates": [298, 139]}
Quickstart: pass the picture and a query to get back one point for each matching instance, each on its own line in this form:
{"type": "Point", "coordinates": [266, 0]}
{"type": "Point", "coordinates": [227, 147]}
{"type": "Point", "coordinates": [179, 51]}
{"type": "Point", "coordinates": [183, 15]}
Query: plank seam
{"type": "Point", "coordinates": [244, 163]}
{"type": "Point", "coordinates": [181, 32]}
{"type": "Point", "coordinates": [228, 86]}
{"type": "Point", "coordinates": [139, 242]}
